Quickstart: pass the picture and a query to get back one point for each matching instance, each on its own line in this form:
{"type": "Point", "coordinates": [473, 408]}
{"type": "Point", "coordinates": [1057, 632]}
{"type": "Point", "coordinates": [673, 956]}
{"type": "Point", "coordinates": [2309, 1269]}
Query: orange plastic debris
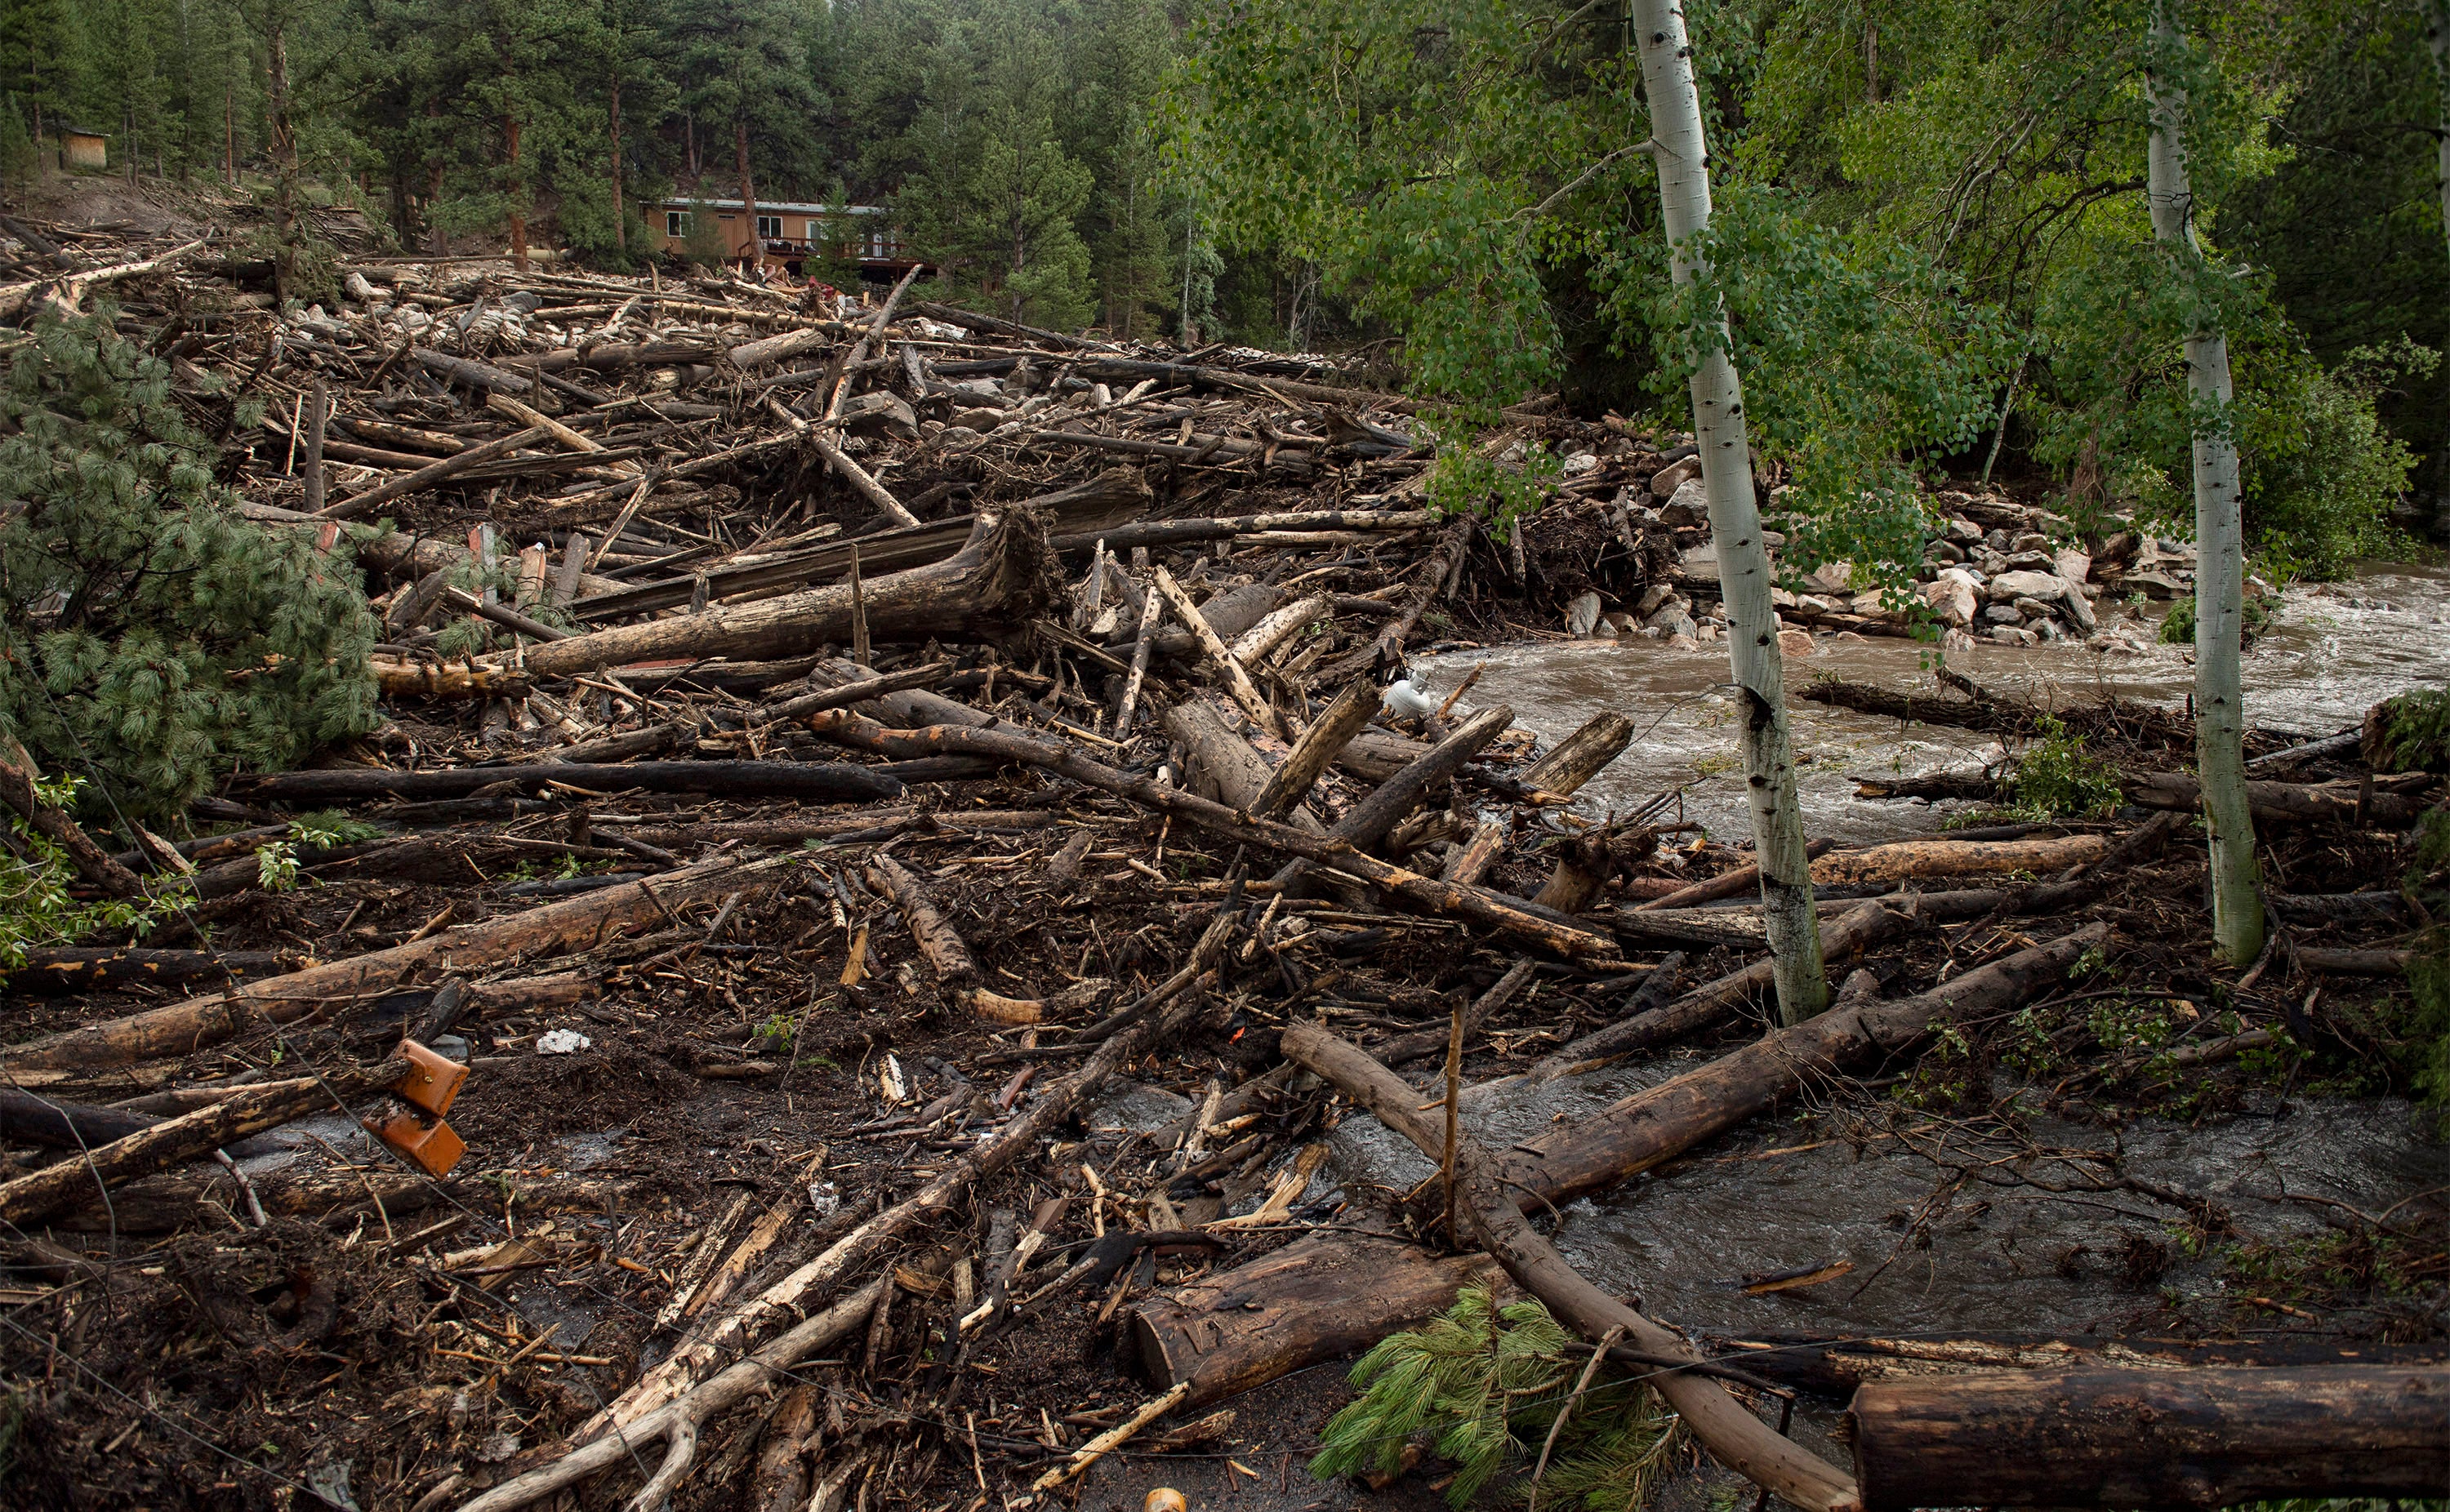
{"type": "Point", "coordinates": [432, 1145]}
{"type": "Point", "coordinates": [432, 1081]}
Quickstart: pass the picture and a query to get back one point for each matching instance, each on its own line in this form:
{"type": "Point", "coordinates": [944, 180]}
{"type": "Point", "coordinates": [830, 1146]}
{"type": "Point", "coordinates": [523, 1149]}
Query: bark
{"type": "Point", "coordinates": [947, 956]}
{"type": "Point", "coordinates": [1221, 765]}
{"type": "Point", "coordinates": [431, 475]}
{"type": "Point", "coordinates": [2153, 1438]}
{"type": "Point", "coordinates": [1126, 711]}
{"type": "Point", "coordinates": [1727, 883]}
{"type": "Point", "coordinates": [1725, 1426]}
{"type": "Point", "coordinates": [815, 782]}
{"type": "Point", "coordinates": [1386, 647]}
{"type": "Point", "coordinates": [1002, 574]}
{"type": "Point", "coordinates": [1681, 156]}
{"type": "Point", "coordinates": [183, 1028]}
{"type": "Point", "coordinates": [620, 216]}
{"type": "Point", "coordinates": [2436, 34]}
{"type": "Point", "coordinates": [1188, 533]}
{"type": "Point", "coordinates": [1835, 1366]}
{"type": "Point", "coordinates": [1488, 909]}
{"type": "Point", "coordinates": [1908, 860]}
{"type": "Point", "coordinates": [283, 134]}
{"type": "Point", "coordinates": [320, 405]}
{"type": "Point", "coordinates": [1319, 744]}
{"type": "Point", "coordinates": [167, 1143]}
{"type": "Point", "coordinates": [2220, 577]}
{"type": "Point", "coordinates": [445, 679]}
{"type": "Point", "coordinates": [91, 862]}
{"type": "Point", "coordinates": [2282, 803]}
{"type": "Point", "coordinates": [88, 968]}
{"type": "Point", "coordinates": [748, 194]}
{"type": "Point", "coordinates": [780, 1483]}
{"type": "Point", "coordinates": [1466, 863]}
{"type": "Point", "coordinates": [1261, 641]}
{"type": "Point", "coordinates": [517, 196]}
{"type": "Point", "coordinates": [1367, 823]}
{"type": "Point", "coordinates": [1230, 669]}
{"type": "Point", "coordinates": [1581, 756]}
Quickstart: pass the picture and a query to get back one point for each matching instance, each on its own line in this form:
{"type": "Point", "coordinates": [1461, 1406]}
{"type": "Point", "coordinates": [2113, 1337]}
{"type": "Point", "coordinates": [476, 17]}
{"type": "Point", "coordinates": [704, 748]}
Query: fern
{"type": "Point", "coordinates": [1485, 1384]}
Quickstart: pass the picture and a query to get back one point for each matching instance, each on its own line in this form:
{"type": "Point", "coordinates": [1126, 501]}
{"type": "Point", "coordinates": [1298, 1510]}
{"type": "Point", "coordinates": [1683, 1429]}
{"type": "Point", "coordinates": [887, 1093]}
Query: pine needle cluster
{"type": "Point", "coordinates": [1485, 1385]}
{"type": "Point", "coordinates": [150, 637]}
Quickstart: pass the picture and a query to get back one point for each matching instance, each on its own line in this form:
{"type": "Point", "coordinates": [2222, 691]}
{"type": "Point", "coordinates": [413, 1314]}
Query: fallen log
{"type": "Point", "coordinates": [1483, 1199]}
{"type": "Point", "coordinates": [2353, 962]}
{"type": "Point", "coordinates": [1387, 646]}
{"type": "Point", "coordinates": [1322, 743]}
{"type": "Point", "coordinates": [1835, 1366]}
{"type": "Point", "coordinates": [396, 679]}
{"type": "Point", "coordinates": [91, 862]}
{"type": "Point", "coordinates": [947, 956]}
{"type": "Point", "coordinates": [1727, 883]}
{"type": "Point", "coordinates": [1581, 756]}
{"type": "Point", "coordinates": [183, 1028]}
{"type": "Point", "coordinates": [1908, 860]}
{"type": "Point", "coordinates": [1190, 532]}
{"type": "Point", "coordinates": [104, 968]}
{"type": "Point", "coordinates": [432, 473]}
{"type": "Point", "coordinates": [2284, 803]}
{"type": "Point", "coordinates": [165, 1203]}
{"type": "Point", "coordinates": [812, 782]}
{"type": "Point", "coordinates": [1489, 909]}
{"type": "Point", "coordinates": [1003, 573]}
{"type": "Point", "coordinates": [2153, 1438]}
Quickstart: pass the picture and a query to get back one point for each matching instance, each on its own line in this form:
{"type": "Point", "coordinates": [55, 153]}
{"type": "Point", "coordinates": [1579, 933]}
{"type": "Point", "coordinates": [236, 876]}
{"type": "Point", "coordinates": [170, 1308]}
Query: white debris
{"type": "Point", "coordinates": [562, 1042]}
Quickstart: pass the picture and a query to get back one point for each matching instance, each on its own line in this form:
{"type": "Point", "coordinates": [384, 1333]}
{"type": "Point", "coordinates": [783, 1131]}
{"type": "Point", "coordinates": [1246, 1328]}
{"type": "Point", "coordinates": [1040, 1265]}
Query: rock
{"type": "Point", "coordinates": [1830, 578]}
{"type": "Point", "coordinates": [1963, 532]}
{"type": "Point", "coordinates": [2008, 634]}
{"type": "Point", "coordinates": [1706, 632]}
{"type": "Point", "coordinates": [1952, 599]}
{"type": "Point", "coordinates": [2049, 629]}
{"type": "Point", "coordinates": [1815, 604]}
{"type": "Point", "coordinates": [1672, 621]}
{"type": "Point", "coordinates": [2072, 565]}
{"type": "Point", "coordinates": [984, 390]}
{"type": "Point", "coordinates": [980, 421]}
{"type": "Point", "coordinates": [1688, 505]}
{"type": "Point", "coordinates": [2029, 541]}
{"type": "Point", "coordinates": [1772, 540]}
{"type": "Point", "coordinates": [1956, 640]}
{"type": "Point", "coordinates": [1795, 643]}
{"type": "Point", "coordinates": [1582, 615]}
{"type": "Point", "coordinates": [881, 414]}
{"type": "Point", "coordinates": [1944, 552]}
{"type": "Point", "coordinates": [1683, 642]}
{"type": "Point", "coordinates": [1871, 605]}
{"type": "Point", "coordinates": [1703, 561]}
{"type": "Point", "coordinates": [956, 435]}
{"type": "Point", "coordinates": [2079, 609]}
{"type": "Point", "coordinates": [1656, 594]}
{"type": "Point", "coordinates": [1998, 540]}
{"type": "Point", "coordinates": [2030, 562]}
{"type": "Point", "coordinates": [359, 289]}
{"type": "Point", "coordinates": [2009, 586]}
{"type": "Point", "coordinates": [2002, 614]}
{"type": "Point", "coordinates": [1665, 482]}
{"type": "Point", "coordinates": [2058, 526]}
{"type": "Point", "coordinates": [2030, 610]}
{"type": "Point", "coordinates": [2157, 585]}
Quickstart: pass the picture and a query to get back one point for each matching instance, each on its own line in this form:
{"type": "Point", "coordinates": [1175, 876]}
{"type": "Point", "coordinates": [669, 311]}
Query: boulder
{"type": "Point", "coordinates": [1665, 482]}
{"type": "Point", "coordinates": [2009, 586]}
{"type": "Point", "coordinates": [1963, 532]}
{"type": "Point", "coordinates": [1656, 594]}
{"type": "Point", "coordinates": [1998, 540]}
{"type": "Point", "coordinates": [2157, 585]}
{"type": "Point", "coordinates": [1952, 599]}
{"type": "Point", "coordinates": [2032, 610]}
{"type": "Point", "coordinates": [2079, 609]}
{"type": "Point", "coordinates": [1944, 552]}
{"type": "Point", "coordinates": [1795, 643]}
{"type": "Point", "coordinates": [1688, 505]}
{"type": "Point", "coordinates": [2002, 614]}
{"type": "Point", "coordinates": [1579, 463]}
{"type": "Point", "coordinates": [1703, 561]}
{"type": "Point", "coordinates": [1683, 642]}
{"type": "Point", "coordinates": [1871, 605]}
{"type": "Point", "coordinates": [1830, 578]}
{"type": "Point", "coordinates": [2030, 562]}
{"type": "Point", "coordinates": [2028, 542]}
{"type": "Point", "coordinates": [1582, 615]}
{"type": "Point", "coordinates": [881, 414]}
{"type": "Point", "coordinates": [1672, 622]}
{"type": "Point", "coordinates": [2072, 565]}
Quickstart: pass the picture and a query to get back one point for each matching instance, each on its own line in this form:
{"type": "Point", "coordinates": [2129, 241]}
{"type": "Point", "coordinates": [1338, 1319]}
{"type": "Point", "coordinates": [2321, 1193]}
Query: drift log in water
{"type": "Point", "coordinates": [2153, 1438]}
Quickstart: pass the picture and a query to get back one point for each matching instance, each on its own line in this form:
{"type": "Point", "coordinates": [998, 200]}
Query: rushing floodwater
{"type": "Point", "coordinates": [2332, 653]}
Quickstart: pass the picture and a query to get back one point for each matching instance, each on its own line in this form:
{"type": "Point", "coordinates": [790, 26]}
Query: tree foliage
{"type": "Point", "coordinates": [150, 638]}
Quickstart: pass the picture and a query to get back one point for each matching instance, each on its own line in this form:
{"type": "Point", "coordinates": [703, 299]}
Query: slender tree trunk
{"type": "Point", "coordinates": [1870, 61]}
{"type": "Point", "coordinates": [620, 217]}
{"type": "Point", "coordinates": [2220, 570]}
{"type": "Point", "coordinates": [748, 194]}
{"type": "Point", "coordinates": [284, 163]}
{"type": "Point", "coordinates": [2437, 32]}
{"type": "Point", "coordinates": [518, 195]}
{"type": "Point", "coordinates": [1735, 527]}
{"type": "Point", "coordinates": [230, 131]}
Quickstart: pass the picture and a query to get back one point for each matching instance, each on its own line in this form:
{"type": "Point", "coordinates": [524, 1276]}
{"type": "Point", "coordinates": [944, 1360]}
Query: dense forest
{"type": "Point", "coordinates": [1953, 192]}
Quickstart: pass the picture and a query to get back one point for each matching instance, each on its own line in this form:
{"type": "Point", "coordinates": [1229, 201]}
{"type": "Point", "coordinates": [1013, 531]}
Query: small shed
{"type": "Point", "coordinates": [81, 148]}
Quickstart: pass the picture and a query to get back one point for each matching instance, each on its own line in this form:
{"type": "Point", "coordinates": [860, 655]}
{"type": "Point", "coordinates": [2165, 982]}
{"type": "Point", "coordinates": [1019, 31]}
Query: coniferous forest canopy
{"type": "Point", "coordinates": [1951, 194]}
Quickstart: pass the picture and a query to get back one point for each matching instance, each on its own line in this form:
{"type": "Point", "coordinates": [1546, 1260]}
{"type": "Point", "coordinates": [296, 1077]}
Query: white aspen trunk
{"type": "Point", "coordinates": [1683, 157]}
{"type": "Point", "coordinates": [2437, 32]}
{"type": "Point", "coordinates": [2220, 568]}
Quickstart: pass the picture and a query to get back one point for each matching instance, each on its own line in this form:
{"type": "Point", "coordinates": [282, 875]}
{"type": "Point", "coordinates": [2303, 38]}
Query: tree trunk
{"type": "Point", "coordinates": [1581, 755]}
{"type": "Point", "coordinates": [748, 195]}
{"type": "Point", "coordinates": [183, 1028]}
{"type": "Point", "coordinates": [518, 194]}
{"type": "Point", "coordinates": [285, 164]}
{"type": "Point", "coordinates": [2153, 1438]}
{"type": "Point", "coordinates": [1681, 156]}
{"type": "Point", "coordinates": [1835, 1366]}
{"type": "Point", "coordinates": [620, 217]}
{"type": "Point", "coordinates": [2220, 577]}
{"type": "Point", "coordinates": [2437, 32]}
{"type": "Point", "coordinates": [809, 782]}
{"type": "Point", "coordinates": [230, 131]}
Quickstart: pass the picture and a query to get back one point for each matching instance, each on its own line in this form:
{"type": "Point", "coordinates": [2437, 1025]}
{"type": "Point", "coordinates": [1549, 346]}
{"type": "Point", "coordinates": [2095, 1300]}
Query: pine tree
{"type": "Point", "coordinates": [150, 638]}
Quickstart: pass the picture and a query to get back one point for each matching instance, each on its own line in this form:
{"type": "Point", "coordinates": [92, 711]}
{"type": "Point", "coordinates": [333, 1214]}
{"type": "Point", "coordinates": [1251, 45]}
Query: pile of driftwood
{"type": "Point", "coordinates": [836, 749]}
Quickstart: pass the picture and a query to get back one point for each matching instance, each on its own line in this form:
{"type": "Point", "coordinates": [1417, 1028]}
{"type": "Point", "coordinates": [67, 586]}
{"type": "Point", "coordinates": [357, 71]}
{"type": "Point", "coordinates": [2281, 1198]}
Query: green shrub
{"type": "Point", "coordinates": [2178, 627]}
{"type": "Point", "coordinates": [2056, 780]}
{"type": "Point", "coordinates": [2410, 733]}
{"type": "Point", "coordinates": [1486, 1383]}
{"type": "Point", "coordinates": [35, 907]}
{"type": "Point", "coordinates": [149, 637]}
{"type": "Point", "coordinates": [2317, 471]}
